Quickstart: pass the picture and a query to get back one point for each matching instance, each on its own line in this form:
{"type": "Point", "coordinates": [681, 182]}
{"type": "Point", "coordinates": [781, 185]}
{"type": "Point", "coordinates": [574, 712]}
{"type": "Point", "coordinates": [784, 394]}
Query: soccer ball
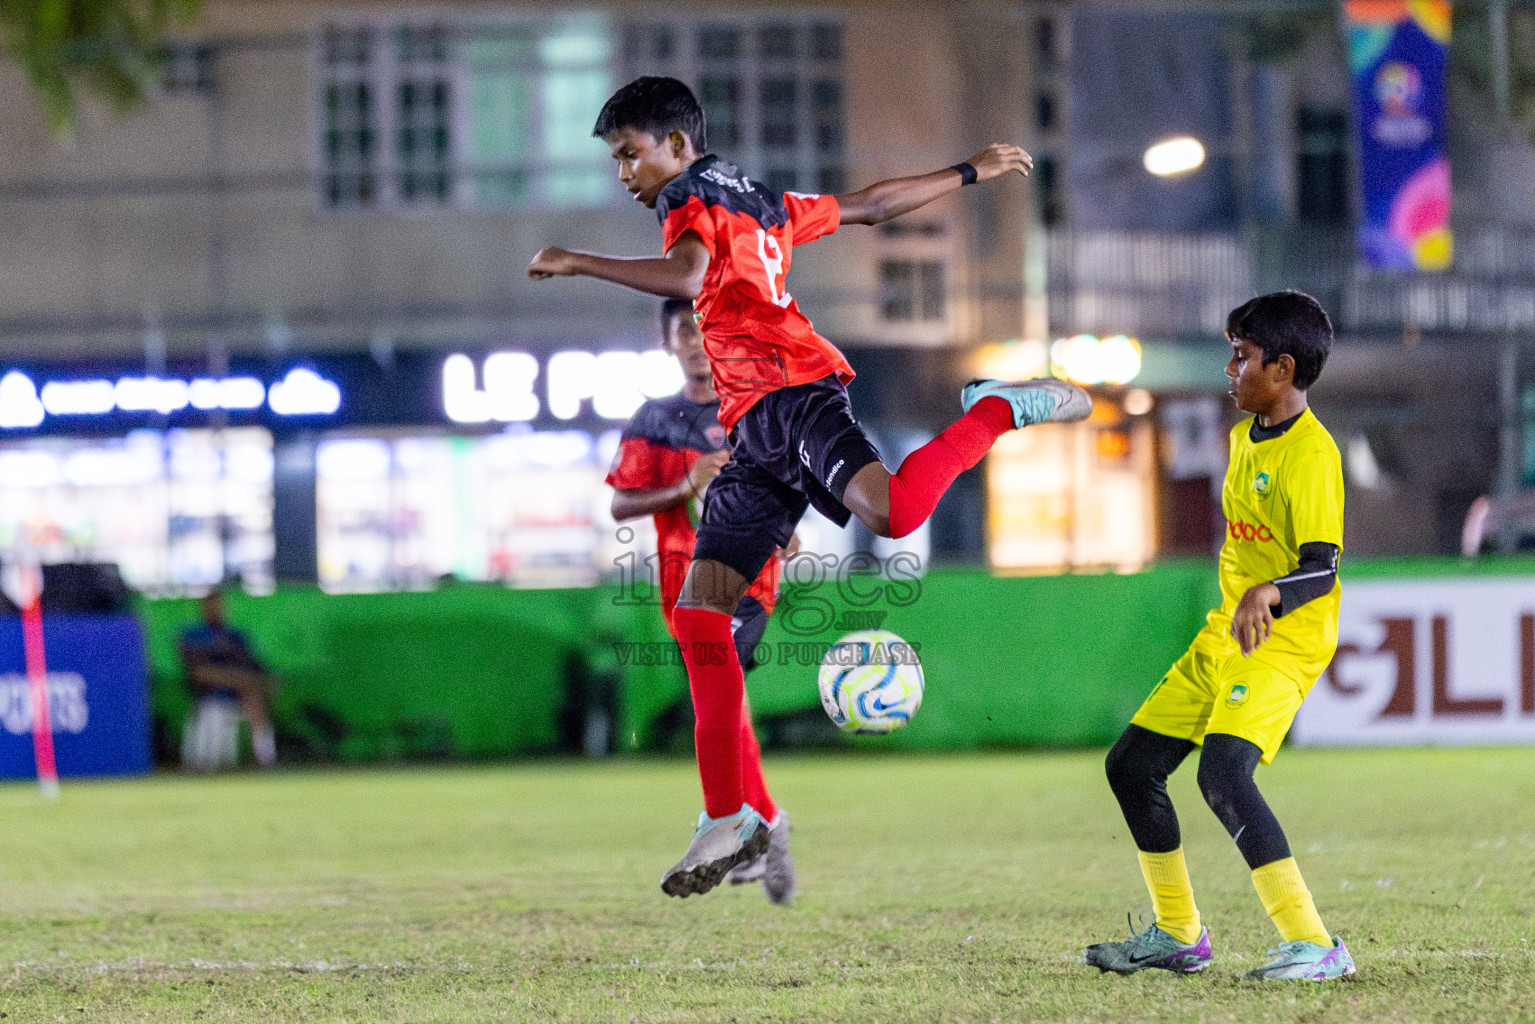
{"type": "Point", "coordinates": [871, 682]}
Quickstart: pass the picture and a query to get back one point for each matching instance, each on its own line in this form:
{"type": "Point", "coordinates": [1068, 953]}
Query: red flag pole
{"type": "Point", "coordinates": [37, 682]}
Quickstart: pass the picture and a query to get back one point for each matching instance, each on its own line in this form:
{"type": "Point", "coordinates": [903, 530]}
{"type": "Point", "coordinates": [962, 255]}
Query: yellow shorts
{"type": "Point", "coordinates": [1255, 698]}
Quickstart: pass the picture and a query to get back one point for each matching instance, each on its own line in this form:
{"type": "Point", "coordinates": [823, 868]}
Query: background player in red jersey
{"type": "Point", "coordinates": [783, 397]}
{"type": "Point", "coordinates": [671, 449]}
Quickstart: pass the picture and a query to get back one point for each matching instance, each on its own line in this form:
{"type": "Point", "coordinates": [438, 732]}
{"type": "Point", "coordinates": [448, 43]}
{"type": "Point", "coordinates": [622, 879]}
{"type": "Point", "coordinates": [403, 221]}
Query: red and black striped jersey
{"type": "Point", "coordinates": [757, 339]}
{"type": "Point", "coordinates": [657, 449]}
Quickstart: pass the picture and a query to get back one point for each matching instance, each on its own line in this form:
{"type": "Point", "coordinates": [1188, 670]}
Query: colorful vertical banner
{"type": "Point", "coordinates": [1396, 52]}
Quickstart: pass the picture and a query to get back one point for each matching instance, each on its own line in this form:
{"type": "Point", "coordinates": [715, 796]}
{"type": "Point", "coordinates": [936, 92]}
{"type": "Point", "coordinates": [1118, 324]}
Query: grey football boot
{"type": "Point", "coordinates": [718, 845]}
{"type": "Point", "coordinates": [1151, 948]}
{"type": "Point", "coordinates": [774, 869]}
{"type": "Point", "coordinates": [748, 871]}
{"type": "Point", "coordinates": [1043, 400]}
{"type": "Point", "coordinates": [777, 866]}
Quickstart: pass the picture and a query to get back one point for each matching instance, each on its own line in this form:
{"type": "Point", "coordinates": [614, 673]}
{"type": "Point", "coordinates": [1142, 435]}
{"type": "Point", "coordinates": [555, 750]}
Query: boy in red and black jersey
{"type": "Point", "coordinates": [671, 449]}
{"type": "Point", "coordinates": [783, 398]}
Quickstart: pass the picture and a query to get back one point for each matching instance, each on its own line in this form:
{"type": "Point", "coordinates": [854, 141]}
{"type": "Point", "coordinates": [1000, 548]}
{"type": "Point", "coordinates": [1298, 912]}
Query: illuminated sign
{"type": "Point", "coordinates": [19, 405]}
{"type": "Point", "coordinates": [508, 393]}
{"type": "Point", "coordinates": [615, 382]}
{"type": "Point", "coordinates": [302, 392]}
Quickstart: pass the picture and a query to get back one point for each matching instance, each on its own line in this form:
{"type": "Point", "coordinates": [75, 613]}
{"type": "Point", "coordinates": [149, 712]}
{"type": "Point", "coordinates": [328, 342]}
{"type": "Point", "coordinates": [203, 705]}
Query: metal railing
{"type": "Point", "coordinates": [1171, 285]}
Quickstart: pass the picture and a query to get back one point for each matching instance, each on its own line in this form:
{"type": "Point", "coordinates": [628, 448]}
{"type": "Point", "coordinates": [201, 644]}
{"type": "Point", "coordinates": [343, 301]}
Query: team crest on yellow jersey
{"type": "Point", "coordinates": [1261, 483]}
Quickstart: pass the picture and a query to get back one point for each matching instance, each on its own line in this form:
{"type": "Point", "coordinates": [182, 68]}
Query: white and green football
{"type": "Point", "coordinates": [871, 682]}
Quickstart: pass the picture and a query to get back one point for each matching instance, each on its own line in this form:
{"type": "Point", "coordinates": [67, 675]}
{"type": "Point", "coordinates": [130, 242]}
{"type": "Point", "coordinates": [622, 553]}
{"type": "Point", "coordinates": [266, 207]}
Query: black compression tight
{"type": "Point", "coordinates": [1138, 767]}
{"type": "Point", "coordinates": [1226, 779]}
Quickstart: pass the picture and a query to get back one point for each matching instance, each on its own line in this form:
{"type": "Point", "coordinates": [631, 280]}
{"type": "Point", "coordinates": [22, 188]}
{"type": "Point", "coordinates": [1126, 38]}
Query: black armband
{"type": "Point", "coordinates": [1314, 577]}
{"type": "Point", "coordinates": [967, 173]}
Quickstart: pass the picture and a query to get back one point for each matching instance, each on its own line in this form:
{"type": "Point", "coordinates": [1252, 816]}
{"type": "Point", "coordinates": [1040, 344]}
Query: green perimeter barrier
{"type": "Point", "coordinates": [481, 671]}
{"type": "Point", "coordinates": [1020, 660]}
{"type": "Point", "coordinates": [469, 670]}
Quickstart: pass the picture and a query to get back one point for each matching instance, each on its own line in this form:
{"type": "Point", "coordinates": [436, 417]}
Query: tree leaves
{"type": "Point", "coordinates": [107, 47]}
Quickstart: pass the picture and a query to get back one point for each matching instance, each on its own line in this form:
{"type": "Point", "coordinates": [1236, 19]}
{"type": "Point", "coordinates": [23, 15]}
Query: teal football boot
{"type": "Point", "coordinates": [1306, 961]}
{"type": "Point", "coordinates": [1044, 400]}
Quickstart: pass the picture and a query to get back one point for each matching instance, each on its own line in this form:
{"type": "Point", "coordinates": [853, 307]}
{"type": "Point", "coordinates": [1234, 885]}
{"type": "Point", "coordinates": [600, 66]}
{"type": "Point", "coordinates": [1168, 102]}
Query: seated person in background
{"type": "Point", "coordinates": [220, 667]}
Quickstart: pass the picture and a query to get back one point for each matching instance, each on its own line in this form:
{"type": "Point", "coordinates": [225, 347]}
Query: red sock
{"type": "Point", "coordinates": [927, 472]}
{"type": "Point", "coordinates": [719, 691]}
{"type": "Point", "coordinates": [751, 770]}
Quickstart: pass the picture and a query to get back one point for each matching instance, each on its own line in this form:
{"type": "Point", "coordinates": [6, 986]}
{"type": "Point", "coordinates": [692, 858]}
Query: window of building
{"type": "Point", "coordinates": [1048, 141]}
{"type": "Point", "coordinates": [350, 122]}
{"type": "Point", "coordinates": [1047, 48]}
{"type": "Point", "coordinates": [490, 114]}
{"type": "Point", "coordinates": [911, 290]}
{"type": "Point", "coordinates": [1044, 112]}
{"type": "Point", "coordinates": [423, 96]}
{"type": "Point", "coordinates": [1047, 191]}
{"type": "Point", "coordinates": [1322, 174]}
{"type": "Point", "coordinates": [186, 69]}
{"type": "Point", "coordinates": [771, 87]}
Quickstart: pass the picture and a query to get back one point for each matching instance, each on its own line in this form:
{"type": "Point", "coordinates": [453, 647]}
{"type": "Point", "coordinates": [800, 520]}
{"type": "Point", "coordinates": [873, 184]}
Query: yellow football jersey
{"type": "Point", "coordinates": [1280, 494]}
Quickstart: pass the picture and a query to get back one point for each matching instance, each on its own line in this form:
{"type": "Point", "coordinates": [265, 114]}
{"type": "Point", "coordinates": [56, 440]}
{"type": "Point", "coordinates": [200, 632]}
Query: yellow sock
{"type": "Point", "coordinates": [1288, 902]}
{"type": "Point", "coordinates": [1172, 897]}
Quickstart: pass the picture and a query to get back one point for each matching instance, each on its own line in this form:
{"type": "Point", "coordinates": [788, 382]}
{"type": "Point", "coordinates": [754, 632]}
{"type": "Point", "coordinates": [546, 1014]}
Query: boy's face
{"type": "Point", "coordinates": [646, 164]}
{"type": "Point", "coordinates": [685, 341]}
{"type": "Point", "coordinates": [1256, 387]}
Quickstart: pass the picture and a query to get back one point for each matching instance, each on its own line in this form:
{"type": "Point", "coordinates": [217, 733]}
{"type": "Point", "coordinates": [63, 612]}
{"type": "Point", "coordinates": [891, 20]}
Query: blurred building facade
{"type": "Point", "coordinates": [350, 193]}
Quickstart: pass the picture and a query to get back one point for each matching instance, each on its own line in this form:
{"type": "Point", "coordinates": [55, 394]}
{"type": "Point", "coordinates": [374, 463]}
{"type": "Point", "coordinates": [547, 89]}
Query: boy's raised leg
{"type": "Point", "coordinates": [895, 505]}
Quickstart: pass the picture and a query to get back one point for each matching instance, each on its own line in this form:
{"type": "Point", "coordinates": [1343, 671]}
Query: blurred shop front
{"type": "Point", "coordinates": [368, 473]}
{"type": "Point", "coordinates": [358, 473]}
{"type": "Point", "coordinates": [1138, 480]}
{"type": "Point", "coordinates": [1074, 495]}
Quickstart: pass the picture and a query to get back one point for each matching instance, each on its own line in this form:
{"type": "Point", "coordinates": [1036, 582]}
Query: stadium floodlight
{"type": "Point", "coordinates": [1174, 156]}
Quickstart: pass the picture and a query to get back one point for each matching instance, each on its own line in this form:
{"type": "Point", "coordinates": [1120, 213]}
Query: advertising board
{"type": "Point", "coordinates": [1448, 661]}
{"type": "Point", "coordinates": [98, 696]}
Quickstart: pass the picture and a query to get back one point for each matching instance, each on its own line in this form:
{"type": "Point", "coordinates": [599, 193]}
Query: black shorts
{"type": "Point", "coordinates": [796, 447]}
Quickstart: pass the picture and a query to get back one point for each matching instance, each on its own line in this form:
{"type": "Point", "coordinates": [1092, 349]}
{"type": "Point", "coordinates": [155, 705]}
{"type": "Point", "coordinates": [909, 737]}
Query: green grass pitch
{"type": "Point", "coordinates": [934, 888]}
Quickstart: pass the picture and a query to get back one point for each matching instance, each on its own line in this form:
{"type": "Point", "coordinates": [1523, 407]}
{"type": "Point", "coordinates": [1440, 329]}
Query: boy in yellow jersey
{"type": "Point", "coordinates": [1238, 687]}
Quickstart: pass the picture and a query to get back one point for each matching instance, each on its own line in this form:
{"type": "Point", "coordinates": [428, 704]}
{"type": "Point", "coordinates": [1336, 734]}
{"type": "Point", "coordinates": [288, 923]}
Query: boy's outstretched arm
{"type": "Point", "coordinates": [677, 275]}
{"type": "Point", "coordinates": [885, 200]}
